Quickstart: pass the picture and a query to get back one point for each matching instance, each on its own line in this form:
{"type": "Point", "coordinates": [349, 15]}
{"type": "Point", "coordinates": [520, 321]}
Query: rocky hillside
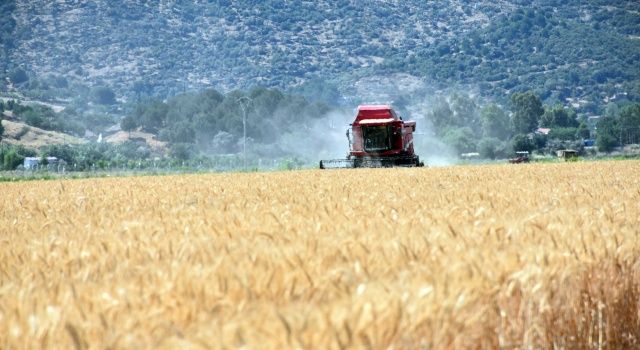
{"type": "Point", "coordinates": [565, 50]}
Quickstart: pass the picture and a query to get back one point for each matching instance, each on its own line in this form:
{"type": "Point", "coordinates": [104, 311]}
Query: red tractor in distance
{"type": "Point", "coordinates": [378, 137]}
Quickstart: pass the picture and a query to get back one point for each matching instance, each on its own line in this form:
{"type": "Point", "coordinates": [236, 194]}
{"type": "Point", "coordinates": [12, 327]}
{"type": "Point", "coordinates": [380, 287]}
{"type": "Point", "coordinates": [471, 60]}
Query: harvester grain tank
{"type": "Point", "coordinates": [378, 137]}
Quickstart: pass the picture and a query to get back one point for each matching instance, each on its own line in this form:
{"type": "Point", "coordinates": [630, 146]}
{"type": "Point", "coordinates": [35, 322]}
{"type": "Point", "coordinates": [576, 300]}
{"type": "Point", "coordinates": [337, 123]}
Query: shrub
{"type": "Point", "coordinates": [103, 95]}
{"type": "Point", "coordinates": [18, 76]}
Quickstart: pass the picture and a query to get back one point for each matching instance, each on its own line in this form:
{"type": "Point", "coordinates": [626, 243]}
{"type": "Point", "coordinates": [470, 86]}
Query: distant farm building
{"type": "Point", "coordinates": [567, 154]}
{"type": "Point", "coordinates": [33, 163]}
{"type": "Point", "coordinates": [543, 131]}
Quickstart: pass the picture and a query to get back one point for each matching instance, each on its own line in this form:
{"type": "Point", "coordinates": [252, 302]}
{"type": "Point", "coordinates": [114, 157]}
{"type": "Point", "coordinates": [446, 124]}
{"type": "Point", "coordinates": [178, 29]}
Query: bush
{"type": "Point", "coordinates": [11, 160]}
{"type": "Point", "coordinates": [13, 156]}
{"type": "Point", "coordinates": [23, 131]}
{"type": "Point", "coordinates": [128, 123]}
{"type": "Point", "coordinates": [103, 95]}
{"type": "Point", "coordinates": [34, 118]}
{"type": "Point", "coordinates": [18, 76]}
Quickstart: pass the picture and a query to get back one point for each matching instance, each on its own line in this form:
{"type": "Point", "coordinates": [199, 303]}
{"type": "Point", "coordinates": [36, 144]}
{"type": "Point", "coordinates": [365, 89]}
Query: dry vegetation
{"type": "Point", "coordinates": [532, 256]}
{"type": "Point", "coordinates": [121, 137]}
{"type": "Point", "coordinates": [32, 137]}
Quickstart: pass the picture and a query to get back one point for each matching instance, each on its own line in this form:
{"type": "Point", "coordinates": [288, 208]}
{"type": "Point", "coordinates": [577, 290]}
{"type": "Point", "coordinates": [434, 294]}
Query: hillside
{"type": "Point", "coordinates": [566, 51]}
{"type": "Point", "coordinates": [32, 137]}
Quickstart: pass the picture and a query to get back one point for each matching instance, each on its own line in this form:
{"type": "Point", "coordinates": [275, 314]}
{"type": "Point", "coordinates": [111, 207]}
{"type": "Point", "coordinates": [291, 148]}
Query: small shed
{"type": "Point", "coordinates": [31, 163]}
{"type": "Point", "coordinates": [543, 131]}
{"type": "Point", "coordinates": [567, 154]}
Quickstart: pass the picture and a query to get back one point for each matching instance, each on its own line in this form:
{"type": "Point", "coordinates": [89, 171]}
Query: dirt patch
{"type": "Point", "coordinates": [149, 139]}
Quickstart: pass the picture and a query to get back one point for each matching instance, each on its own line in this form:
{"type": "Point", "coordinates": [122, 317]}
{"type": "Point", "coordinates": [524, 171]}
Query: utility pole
{"type": "Point", "coordinates": [244, 102]}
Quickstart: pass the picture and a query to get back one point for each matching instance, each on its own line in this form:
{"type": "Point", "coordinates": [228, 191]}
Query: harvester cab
{"type": "Point", "coordinates": [378, 137]}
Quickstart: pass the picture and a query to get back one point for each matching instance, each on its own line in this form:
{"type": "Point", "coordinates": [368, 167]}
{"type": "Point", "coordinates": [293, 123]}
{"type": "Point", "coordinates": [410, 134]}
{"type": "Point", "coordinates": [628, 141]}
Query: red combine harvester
{"type": "Point", "coordinates": [378, 137]}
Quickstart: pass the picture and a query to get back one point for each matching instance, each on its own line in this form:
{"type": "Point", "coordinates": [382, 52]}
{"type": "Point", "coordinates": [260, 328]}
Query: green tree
{"type": "Point", "coordinates": [43, 160]}
{"type": "Point", "coordinates": [103, 95]}
{"type": "Point", "coordinates": [563, 133]}
{"type": "Point", "coordinates": [522, 143]}
{"type": "Point", "coordinates": [152, 116]}
{"type": "Point", "coordinates": [142, 88]}
{"type": "Point", "coordinates": [63, 152]}
{"type": "Point", "coordinates": [629, 124]}
{"type": "Point", "coordinates": [180, 132]}
{"type": "Point", "coordinates": [559, 117]}
{"type": "Point", "coordinates": [128, 124]}
{"type": "Point", "coordinates": [583, 131]}
{"type": "Point", "coordinates": [181, 151]}
{"type": "Point", "coordinates": [1, 129]}
{"type": "Point", "coordinates": [441, 115]}
{"type": "Point", "coordinates": [611, 110]}
{"type": "Point", "coordinates": [42, 117]}
{"type": "Point", "coordinates": [607, 134]}
{"type": "Point", "coordinates": [527, 109]}
{"type": "Point", "coordinates": [34, 118]}
{"type": "Point", "coordinates": [465, 112]}
{"type": "Point", "coordinates": [495, 122]}
{"type": "Point", "coordinates": [18, 76]}
{"type": "Point", "coordinates": [12, 159]}
{"type": "Point", "coordinates": [539, 141]}
{"type": "Point", "coordinates": [88, 155]}
{"type": "Point", "coordinates": [265, 101]}
{"type": "Point", "coordinates": [462, 139]}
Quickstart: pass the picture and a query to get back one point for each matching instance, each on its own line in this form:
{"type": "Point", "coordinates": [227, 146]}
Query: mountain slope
{"type": "Point", "coordinates": [563, 49]}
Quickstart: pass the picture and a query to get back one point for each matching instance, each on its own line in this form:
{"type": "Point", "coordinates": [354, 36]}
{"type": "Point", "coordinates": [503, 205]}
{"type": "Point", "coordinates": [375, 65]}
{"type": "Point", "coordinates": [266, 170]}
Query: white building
{"type": "Point", "coordinates": [31, 163]}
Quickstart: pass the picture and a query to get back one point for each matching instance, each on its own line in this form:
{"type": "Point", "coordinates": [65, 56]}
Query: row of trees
{"type": "Point", "coordinates": [462, 123]}
{"type": "Point", "coordinates": [213, 122]}
{"type": "Point", "coordinates": [193, 124]}
{"type": "Point", "coordinates": [619, 128]}
{"type": "Point", "coordinates": [209, 122]}
{"type": "Point", "coordinates": [88, 156]}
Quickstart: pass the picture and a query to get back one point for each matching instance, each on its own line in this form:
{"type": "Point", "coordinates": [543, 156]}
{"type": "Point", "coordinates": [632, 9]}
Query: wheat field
{"type": "Point", "coordinates": [467, 257]}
